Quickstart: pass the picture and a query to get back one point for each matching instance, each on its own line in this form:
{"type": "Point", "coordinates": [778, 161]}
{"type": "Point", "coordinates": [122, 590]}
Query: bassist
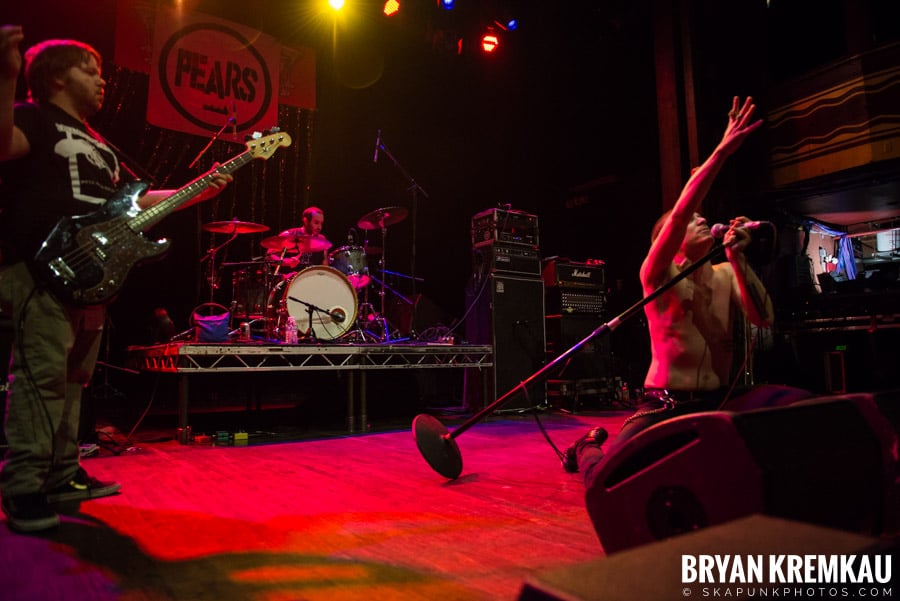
{"type": "Point", "coordinates": [52, 165]}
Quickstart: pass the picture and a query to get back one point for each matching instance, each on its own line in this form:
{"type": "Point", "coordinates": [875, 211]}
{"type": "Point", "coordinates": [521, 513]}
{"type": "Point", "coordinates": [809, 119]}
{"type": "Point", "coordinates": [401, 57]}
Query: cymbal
{"type": "Point", "coordinates": [295, 243]}
{"type": "Point", "coordinates": [235, 227]}
{"type": "Point", "coordinates": [380, 218]}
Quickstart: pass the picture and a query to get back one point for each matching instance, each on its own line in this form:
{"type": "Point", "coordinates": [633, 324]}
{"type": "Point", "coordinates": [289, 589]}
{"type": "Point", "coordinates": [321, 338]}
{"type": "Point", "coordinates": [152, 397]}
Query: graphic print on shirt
{"type": "Point", "coordinates": [91, 164]}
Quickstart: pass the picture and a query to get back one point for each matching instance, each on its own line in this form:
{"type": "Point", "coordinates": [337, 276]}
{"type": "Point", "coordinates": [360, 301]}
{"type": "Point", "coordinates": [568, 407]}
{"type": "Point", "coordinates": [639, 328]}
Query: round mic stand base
{"type": "Point", "coordinates": [437, 446]}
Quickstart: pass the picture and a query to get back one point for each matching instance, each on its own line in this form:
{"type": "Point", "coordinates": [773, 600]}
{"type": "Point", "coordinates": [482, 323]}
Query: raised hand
{"type": "Point", "coordinates": [10, 56]}
{"type": "Point", "coordinates": [740, 124]}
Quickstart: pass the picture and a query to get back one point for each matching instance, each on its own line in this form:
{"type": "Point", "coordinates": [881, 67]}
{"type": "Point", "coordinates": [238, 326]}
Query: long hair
{"type": "Point", "coordinates": [49, 60]}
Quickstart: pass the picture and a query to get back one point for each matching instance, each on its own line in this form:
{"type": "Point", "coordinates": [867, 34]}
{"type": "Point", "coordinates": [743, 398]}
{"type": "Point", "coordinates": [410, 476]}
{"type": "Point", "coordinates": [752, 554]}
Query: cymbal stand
{"type": "Point", "coordinates": [212, 276]}
{"type": "Point", "coordinates": [385, 328]}
{"type": "Point", "coordinates": [385, 324]}
{"type": "Point", "coordinates": [397, 294]}
{"type": "Point", "coordinates": [415, 189]}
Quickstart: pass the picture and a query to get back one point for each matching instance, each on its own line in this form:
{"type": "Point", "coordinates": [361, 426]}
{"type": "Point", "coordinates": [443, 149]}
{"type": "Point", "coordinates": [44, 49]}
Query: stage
{"type": "Point", "coordinates": [185, 359]}
{"type": "Point", "coordinates": [342, 517]}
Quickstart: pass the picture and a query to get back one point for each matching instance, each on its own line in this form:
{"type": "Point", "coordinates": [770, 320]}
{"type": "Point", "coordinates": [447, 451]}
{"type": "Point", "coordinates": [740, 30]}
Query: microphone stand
{"type": "Point", "coordinates": [310, 308]}
{"type": "Point", "coordinates": [438, 446]}
{"type": "Point", "coordinates": [210, 143]}
{"type": "Point", "coordinates": [415, 189]}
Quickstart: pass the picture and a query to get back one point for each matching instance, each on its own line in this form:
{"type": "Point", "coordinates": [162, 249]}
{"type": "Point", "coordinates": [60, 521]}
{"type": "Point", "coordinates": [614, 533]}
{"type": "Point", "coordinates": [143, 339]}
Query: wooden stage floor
{"type": "Point", "coordinates": [342, 517]}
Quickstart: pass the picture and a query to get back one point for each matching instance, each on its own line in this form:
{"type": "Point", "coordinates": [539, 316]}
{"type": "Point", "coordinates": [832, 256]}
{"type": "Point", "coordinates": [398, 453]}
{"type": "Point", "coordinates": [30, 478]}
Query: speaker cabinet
{"type": "Point", "coordinates": [507, 312]}
{"type": "Point", "coordinates": [653, 572]}
{"type": "Point", "coordinates": [828, 461]}
{"type": "Point", "coordinates": [594, 360]}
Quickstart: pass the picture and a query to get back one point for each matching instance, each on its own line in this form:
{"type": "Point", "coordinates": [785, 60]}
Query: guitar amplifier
{"type": "Point", "coordinates": [561, 273]}
{"type": "Point", "coordinates": [575, 301]}
{"type": "Point", "coordinates": [506, 226]}
{"type": "Point", "coordinates": [506, 258]}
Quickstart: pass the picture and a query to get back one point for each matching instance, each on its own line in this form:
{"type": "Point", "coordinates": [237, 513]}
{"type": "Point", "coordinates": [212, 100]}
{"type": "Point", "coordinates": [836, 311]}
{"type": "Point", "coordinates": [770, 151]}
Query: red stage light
{"type": "Point", "coordinates": [489, 42]}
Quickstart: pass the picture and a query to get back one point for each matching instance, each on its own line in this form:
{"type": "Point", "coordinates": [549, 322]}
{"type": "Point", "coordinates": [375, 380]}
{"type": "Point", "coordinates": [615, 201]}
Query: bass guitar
{"type": "Point", "coordinates": [86, 258]}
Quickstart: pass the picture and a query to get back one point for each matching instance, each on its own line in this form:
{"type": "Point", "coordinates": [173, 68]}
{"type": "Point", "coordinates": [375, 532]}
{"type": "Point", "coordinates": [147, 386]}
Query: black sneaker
{"type": "Point", "coordinates": [29, 513]}
{"type": "Point", "coordinates": [82, 487]}
{"type": "Point", "coordinates": [597, 436]}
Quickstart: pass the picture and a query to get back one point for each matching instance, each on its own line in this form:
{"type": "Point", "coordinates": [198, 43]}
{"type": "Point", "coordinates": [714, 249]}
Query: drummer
{"type": "Point", "coordinates": [313, 220]}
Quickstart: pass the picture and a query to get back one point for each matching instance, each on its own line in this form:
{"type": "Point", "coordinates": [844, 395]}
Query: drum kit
{"type": "Point", "coordinates": [317, 302]}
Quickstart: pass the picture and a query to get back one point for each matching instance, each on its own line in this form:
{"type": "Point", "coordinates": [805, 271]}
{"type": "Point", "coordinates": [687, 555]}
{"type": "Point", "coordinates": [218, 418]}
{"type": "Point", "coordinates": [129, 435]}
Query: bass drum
{"type": "Point", "coordinates": [327, 290]}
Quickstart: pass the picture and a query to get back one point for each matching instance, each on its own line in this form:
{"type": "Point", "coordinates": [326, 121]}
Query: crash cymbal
{"type": "Point", "coordinates": [380, 218]}
{"type": "Point", "coordinates": [295, 243]}
{"type": "Point", "coordinates": [235, 227]}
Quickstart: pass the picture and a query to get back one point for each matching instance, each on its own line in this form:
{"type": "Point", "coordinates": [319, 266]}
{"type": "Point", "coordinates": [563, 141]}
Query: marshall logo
{"type": "Point", "coordinates": [577, 275]}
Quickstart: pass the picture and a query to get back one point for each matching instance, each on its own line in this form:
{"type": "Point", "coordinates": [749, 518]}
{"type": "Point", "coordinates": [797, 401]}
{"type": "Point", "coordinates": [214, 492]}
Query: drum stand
{"type": "Point", "coordinates": [212, 276]}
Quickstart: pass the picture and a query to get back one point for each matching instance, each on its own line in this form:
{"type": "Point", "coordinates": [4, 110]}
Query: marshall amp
{"type": "Point", "coordinates": [574, 288]}
{"type": "Point", "coordinates": [569, 274]}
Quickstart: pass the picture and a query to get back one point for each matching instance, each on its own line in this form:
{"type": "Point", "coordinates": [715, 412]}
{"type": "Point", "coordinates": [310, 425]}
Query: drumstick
{"type": "Point", "coordinates": [280, 261]}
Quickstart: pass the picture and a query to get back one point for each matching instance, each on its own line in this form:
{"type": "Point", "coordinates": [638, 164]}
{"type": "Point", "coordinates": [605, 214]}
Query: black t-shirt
{"type": "Point", "coordinates": [69, 171]}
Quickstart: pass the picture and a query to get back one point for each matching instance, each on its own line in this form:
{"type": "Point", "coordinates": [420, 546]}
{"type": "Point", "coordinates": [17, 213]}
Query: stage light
{"type": "Point", "coordinates": [336, 4]}
{"type": "Point", "coordinates": [512, 24]}
{"type": "Point", "coordinates": [489, 41]}
{"type": "Point", "coordinates": [391, 7]}
{"type": "Point", "coordinates": [446, 4]}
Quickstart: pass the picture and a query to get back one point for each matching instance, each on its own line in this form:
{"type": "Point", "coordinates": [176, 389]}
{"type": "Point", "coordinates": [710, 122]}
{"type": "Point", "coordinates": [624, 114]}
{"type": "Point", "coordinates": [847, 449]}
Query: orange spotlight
{"type": "Point", "coordinates": [391, 7]}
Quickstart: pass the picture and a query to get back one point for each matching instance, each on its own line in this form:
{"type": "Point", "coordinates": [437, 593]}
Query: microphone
{"type": "Point", "coordinates": [718, 230]}
{"type": "Point", "coordinates": [338, 315]}
{"type": "Point", "coordinates": [377, 146]}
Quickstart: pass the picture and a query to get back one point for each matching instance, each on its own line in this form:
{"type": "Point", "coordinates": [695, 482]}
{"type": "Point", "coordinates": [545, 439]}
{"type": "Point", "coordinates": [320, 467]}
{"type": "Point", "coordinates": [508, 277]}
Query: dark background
{"type": "Point", "coordinates": [562, 121]}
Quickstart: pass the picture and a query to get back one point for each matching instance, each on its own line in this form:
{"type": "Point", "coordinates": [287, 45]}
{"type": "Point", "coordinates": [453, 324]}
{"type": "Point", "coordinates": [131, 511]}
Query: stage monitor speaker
{"type": "Point", "coordinates": [653, 572]}
{"type": "Point", "coordinates": [829, 461]}
{"type": "Point", "coordinates": [508, 314]}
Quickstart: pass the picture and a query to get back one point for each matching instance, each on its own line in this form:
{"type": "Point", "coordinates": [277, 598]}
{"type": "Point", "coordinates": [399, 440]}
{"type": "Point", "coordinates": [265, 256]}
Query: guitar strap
{"type": "Point", "coordinates": [138, 172]}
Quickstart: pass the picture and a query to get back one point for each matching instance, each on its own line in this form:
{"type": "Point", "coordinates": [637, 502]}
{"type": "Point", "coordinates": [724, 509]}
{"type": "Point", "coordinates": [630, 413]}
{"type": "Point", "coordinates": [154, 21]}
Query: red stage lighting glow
{"type": "Point", "coordinates": [489, 42]}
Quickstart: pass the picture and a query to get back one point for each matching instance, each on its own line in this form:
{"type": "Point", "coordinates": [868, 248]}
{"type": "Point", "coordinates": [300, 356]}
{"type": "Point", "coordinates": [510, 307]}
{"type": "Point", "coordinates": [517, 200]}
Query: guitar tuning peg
{"type": "Point", "coordinates": [255, 135]}
{"type": "Point", "coordinates": [274, 130]}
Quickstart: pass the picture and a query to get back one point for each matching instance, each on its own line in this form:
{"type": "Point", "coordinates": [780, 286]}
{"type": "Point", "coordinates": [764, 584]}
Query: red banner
{"type": "Point", "coordinates": [205, 71]}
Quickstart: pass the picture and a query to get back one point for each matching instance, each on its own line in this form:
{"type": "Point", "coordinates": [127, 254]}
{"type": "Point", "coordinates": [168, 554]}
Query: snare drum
{"type": "Point", "coordinates": [331, 295]}
{"type": "Point", "coordinates": [351, 261]}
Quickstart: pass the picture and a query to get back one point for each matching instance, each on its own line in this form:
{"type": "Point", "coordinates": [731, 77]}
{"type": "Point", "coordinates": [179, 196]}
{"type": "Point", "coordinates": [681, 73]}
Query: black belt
{"type": "Point", "coordinates": [679, 396]}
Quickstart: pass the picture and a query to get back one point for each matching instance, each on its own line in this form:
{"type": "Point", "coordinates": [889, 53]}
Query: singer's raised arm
{"type": "Point", "coordinates": [672, 227]}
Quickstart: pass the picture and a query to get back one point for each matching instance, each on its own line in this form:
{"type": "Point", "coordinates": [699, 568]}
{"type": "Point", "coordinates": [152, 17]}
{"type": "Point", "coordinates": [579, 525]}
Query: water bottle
{"type": "Point", "coordinates": [290, 334]}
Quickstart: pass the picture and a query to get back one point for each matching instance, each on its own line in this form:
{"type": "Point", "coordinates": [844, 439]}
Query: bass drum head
{"type": "Point", "coordinates": [325, 288]}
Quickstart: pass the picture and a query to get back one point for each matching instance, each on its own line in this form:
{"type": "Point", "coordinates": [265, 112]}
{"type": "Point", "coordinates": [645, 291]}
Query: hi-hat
{"type": "Point", "coordinates": [235, 227]}
{"type": "Point", "coordinates": [381, 218]}
{"type": "Point", "coordinates": [296, 243]}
